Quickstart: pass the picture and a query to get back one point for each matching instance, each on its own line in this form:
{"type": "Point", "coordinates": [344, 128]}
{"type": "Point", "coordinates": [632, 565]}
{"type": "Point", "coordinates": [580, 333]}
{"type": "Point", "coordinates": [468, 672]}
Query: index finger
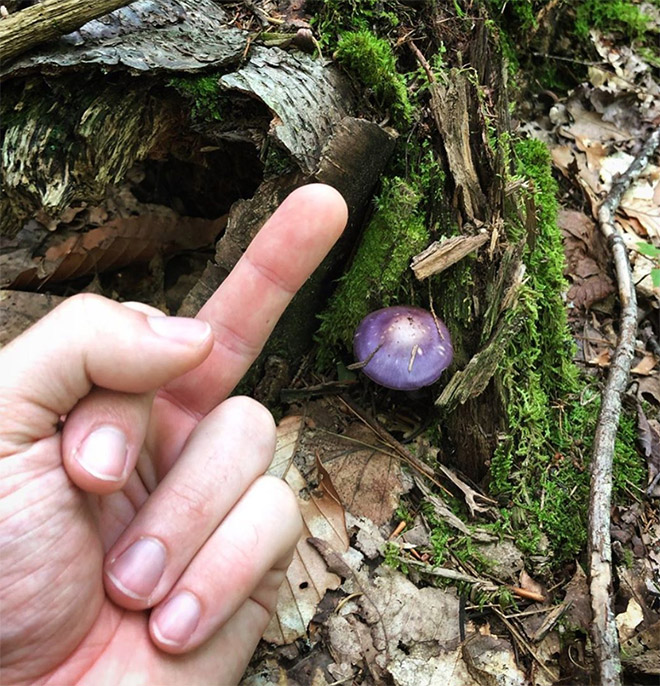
{"type": "Point", "coordinates": [245, 308]}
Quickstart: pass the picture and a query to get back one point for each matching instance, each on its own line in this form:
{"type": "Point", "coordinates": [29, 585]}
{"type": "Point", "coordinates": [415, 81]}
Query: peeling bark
{"type": "Point", "coordinates": [48, 20]}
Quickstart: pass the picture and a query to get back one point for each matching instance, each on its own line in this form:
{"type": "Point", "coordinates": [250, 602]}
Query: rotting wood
{"type": "Point", "coordinates": [171, 36]}
{"type": "Point", "coordinates": [47, 21]}
{"type": "Point", "coordinates": [471, 381]}
{"type": "Point", "coordinates": [603, 629]}
{"type": "Point", "coordinates": [440, 255]}
{"type": "Point", "coordinates": [449, 105]}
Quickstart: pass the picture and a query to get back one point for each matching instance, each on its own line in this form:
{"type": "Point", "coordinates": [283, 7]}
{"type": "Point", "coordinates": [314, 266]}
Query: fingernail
{"type": "Point", "coordinates": [137, 571]}
{"type": "Point", "coordinates": [103, 453]}
{"type": "Point", "coordinates": [177, 619]}
{"type": "Point", "coordinates": [181, 329]}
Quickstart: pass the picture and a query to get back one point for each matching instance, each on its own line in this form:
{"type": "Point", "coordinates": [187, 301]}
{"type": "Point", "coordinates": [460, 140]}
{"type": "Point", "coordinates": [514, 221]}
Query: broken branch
{"type": "Point", "coordinates": [47, 21]}
{"type": "Point", "coordinates": [603, 630]}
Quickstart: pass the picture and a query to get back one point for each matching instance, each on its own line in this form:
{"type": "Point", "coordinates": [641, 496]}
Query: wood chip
{"type": "Point", "coordinates": [442, 254]}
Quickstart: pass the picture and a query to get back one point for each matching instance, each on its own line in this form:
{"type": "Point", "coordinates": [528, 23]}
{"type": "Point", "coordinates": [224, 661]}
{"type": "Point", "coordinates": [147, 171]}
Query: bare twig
{"type": "Point", "coordinates": [603, 630]}
{"type": "Point", "coordinates": [525, 645]}
{"type": "Point", "coordinates": [47, 21]}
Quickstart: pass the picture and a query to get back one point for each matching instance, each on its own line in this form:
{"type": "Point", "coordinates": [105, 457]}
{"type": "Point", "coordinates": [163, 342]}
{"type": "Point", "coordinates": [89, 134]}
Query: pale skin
{"type": "Point", "coordinates": [140, 542]}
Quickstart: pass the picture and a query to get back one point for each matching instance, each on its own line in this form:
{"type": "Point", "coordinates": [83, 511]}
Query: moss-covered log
{"type": "Point", "coordinates": [83, 150]}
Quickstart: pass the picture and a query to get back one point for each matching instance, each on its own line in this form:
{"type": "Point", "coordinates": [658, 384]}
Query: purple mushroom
{"type": "Point", "coordinates": [403, 347]}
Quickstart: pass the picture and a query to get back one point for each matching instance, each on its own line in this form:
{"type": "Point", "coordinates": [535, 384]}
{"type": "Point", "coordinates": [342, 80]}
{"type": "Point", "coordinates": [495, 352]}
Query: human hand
{"type": "Point", "coordinates": [128, 481]}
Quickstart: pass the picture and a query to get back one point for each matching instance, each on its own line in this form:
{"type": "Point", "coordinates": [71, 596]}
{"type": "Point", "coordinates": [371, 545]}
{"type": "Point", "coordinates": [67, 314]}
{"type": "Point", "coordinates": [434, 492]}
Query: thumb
{"type": "Point", "coordinates": [89, 341]}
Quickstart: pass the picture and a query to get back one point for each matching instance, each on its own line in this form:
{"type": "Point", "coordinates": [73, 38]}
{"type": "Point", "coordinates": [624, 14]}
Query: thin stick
{"type": "Point", "coordinates": [49, 20]}
{"type": "Point", "coordinates": [525, 644]}
{"type": "Point", "coordinates": [603, 630]}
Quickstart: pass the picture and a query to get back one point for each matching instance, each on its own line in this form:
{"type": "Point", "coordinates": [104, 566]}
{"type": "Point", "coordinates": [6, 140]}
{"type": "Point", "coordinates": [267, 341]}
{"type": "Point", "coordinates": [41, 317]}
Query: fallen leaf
{"type": "Point", "coordinates": [288, 435]}
{"type": "Point", "coordinates": [602, 359]}
{"type": "Point", "coordinates": [307, 578]}
{"type": "Point", "coordinates": [648, 388]}
{"type": "Point", "coordinates": [642, 641]}
{"type": "Point", "coordinates": [531, 585]}
{"type": "Point", "coordinates": [579, 615]}
{"type": "Point", "coordinates": [447, 669]}
{"type": "Point", "coordinates": [399, 613]}
{"type": "Point", "coordinates": [646, 365]}
{"type": "Point", "coordinates": [368, 479]}
{"type": "Point", "coordinates": [491, 660]}
{"type": "Point", "coordinates": [368, 539]}
{"type": "Point", "coordinates": [590, 126]}
{"type": "Point", "coordinates": [548, 652]}
{"type": "Point", "coordinates": [67, 254]}
{"type": "Point", "coordinates": [628, 621]}
{"type": "Point", "coordinates": [505, 560]}
{"type": "Point", "coordinates": [648, 435]}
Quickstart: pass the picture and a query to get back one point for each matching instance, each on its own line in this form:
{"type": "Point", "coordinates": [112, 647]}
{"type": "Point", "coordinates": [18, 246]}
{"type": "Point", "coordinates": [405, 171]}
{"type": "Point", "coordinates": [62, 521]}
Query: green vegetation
{"type": "Point", "coordinates": [396, 232]}
{"type": "Point", "coordinates": [392, 557]}
{"type": "Point", "coordinates": [539, 469]}
{"type": "Point", "coordinates": [204, 94]}
{"type": "Point", "coordinates": [360, 33]}
{"type": "Point", "coordinates": [610, 15]}
{"type": "Point", "coordinates": [652, 252]}
{"type": "Point", "coordinates": [372, 61]}
{"type": "Point", "coordinates": [519, 12]}
{"type": "Point", "coordinates": [332, 18]}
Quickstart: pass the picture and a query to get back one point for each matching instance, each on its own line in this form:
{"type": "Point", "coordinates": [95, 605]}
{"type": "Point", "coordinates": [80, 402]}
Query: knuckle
{"type": "Point", "coordinates": [82, 302]}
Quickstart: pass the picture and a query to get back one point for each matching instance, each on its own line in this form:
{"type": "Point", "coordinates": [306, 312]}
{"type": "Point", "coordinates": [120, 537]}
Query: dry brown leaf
{"type": "Point", "coordinates": [307, 578]}
{"type": "Point", "coordinates": [628, 621]}
{"type": "Point", "coordinates": [579, 614]}
{"type": "Point", "coordinates": [288, 435]}
{"type": "Point", "coordinates": [648, 436]}
{"type": "Point", "coordinates": [646, 365]}
{"type": "Point", "coordinates": [594, 151]}
{"type": "Point", "coordinates": [602, 359]}
{"type": "Point", "coordinates": [587, 259]}
{"type": "Point", "coordinates": [368, 480]}
{"type": "Point", "coordinates": [71, 254]}
{"type": "Point", "coordinates": [447, 668]}
{"type": "Point", "coordinates": [648, 388]}
{"type": "Point", "coordinates": [390, 620]}
{"type": "Point", "coordinates": [489, 658]}
{"type": "Point", "coordinates": [530, 584]}
{"type": "Point", "coordinates": [402, 614]}
{"type": "Point", "coordinates": [646, 210]}
{"type": "Point", "coordinates": [589, 127]}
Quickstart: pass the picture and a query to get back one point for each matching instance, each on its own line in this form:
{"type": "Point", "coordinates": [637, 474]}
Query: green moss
{"type": "Point", "coordinates": [610, 15]}
{"type": "Point", "coordinates": [518, 12]}
{"type": "Point", "coordinates": [541, 467]}
{"type": "Point", "coordinates": [372, 61]}
{"type": "Point", "coordinates": [392, 557]}
{"type": "Point", "coordinates": [538, 368]}
{"type": "Point", "coordinates": [396, 232]}
{"type": "Point", "coordinates": [332, 18]}
{"type": "Point", "coordinates": [203, 93]}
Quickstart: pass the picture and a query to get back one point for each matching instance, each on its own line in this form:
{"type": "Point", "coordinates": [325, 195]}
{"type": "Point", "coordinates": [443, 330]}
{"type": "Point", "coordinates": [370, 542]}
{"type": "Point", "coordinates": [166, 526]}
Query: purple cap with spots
{"type": "Point", "coordinates": [404, 348]}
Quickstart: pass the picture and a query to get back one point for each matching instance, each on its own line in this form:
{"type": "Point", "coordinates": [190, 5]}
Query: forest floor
{"type": "Point", "coordinates": [410, 572]}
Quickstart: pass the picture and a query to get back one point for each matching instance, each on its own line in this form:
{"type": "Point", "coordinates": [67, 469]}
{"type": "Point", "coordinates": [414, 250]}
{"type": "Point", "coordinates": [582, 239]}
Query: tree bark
{"type": "Point", "coordinates": [47, 21]}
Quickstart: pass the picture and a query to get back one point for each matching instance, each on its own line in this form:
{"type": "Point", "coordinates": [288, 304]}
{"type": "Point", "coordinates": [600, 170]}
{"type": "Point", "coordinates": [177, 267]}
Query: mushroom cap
{"type": "Point", "coordinates": [405, 347]}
